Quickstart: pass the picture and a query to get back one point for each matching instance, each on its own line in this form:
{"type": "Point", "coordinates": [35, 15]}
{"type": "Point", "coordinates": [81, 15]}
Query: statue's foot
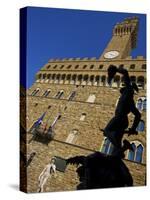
{"type": "Point", "coordinates": [127, 145]}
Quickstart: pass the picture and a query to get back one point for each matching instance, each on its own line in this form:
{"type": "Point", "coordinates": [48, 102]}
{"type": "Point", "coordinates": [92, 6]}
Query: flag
{"type": "Point", "coordinates": [40, 119]}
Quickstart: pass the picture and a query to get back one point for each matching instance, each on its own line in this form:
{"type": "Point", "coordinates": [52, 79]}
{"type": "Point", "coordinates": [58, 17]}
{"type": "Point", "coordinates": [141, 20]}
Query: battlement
{"type": "Point", "coordinates": [135, 58]}
{"type": "Point", "coordinates": [72, 59]}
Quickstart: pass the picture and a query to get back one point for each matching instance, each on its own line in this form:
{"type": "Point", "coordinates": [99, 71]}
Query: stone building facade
{"type": "Point", "coordinates": [77, 89]}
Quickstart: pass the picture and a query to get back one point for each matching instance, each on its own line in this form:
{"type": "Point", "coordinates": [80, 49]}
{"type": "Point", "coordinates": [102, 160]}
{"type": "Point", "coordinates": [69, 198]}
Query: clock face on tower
{"type": "Point", "coordinates": [111, 54]}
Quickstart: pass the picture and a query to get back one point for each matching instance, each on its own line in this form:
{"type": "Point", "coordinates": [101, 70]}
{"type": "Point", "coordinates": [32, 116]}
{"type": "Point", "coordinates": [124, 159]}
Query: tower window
{"type": "Point", "coordinates": [132, 66]}
{"type": "Point", "coordinates": [59, 94]}
{"type": "Point", "coordinates": [91, 98]}
{"type": "Point", "coordinates": [72, 95]}
{"type": "Point", "coordinates": [72, 137]}
{"type": "Point", "coordinates": [83, 116]}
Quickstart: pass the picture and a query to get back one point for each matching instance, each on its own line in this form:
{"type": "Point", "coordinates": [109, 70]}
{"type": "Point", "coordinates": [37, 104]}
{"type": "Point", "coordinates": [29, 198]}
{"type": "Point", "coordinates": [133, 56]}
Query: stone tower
{"type": "Point", "coordinates": [123, 40]}
{"type": "Point", "coordinates": [77, 89]}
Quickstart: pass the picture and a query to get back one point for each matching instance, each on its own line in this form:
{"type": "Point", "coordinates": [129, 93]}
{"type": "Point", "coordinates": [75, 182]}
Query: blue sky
{"type": "Point", "coordinates": [64, 33]}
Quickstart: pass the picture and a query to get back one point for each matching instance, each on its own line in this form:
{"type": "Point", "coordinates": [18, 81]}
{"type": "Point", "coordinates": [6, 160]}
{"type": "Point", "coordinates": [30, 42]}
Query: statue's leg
{"type": "Point", "coordinates": [43, 182]}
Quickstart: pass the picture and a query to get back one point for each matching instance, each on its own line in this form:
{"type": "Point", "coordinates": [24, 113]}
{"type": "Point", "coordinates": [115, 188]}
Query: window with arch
{"type": "Point", "coordinates": [141, 103]}
{"type": "Point", "coordinates": [72, 95]}
{"type": "Point", "coordinates": [55, 67]}
{"type": "Point", "coordinates": [69, 66]}
{"type": "Point", "coordinates": [91, 98]}
{"type": "Point", "coordinates": [83, 116]}
{"type": "Point", "coordinates": [85, 66]}
{"type": "Point", "coordinates": [46, 93]}
{"type": "Point", "coordinates": [144, 105]}
{"type": "Point", "coordinates": [48, 66]}
{"type": "Point", "coordinates": [140, 82]}
{"type": "Point", "coordinates": [77, 66]}
{"type": "Point", "coordinates": [92, 66]}
{"type": "Point", "coordinates": [35, 92]}
{"type": "Point", "coordinates": [144, 66]}
{"type": "Point", "coordinates": [137, 154]}
{"type": "Point", "coordinates": [132, 66]}
{"type": "Point", "coordinates": [72, 137]}
{"type": "Point", "coordinates": [140, 127]}
{"type": "Point", "coordinates": [101, 66]}
{"type": "Point", "coordinates": [62, 66]}
{"type": "Point", "coordinates": [107, 146]}
{"type": "Point", "coordinates": [59, 94]}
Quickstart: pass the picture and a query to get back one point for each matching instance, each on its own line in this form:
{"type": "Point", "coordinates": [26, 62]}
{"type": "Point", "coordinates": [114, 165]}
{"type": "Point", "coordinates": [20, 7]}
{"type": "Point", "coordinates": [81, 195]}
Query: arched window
{"type": "Point", "coordinates": [77, 66]}
{"type": "Point", "coordinates": [58, 77]}
{"type": "Point", "coordinates": [72, 95]}
{"type": "Point", "coordinates": [137, 154]}
{"type": "Point", "coordinates": [144, 105]}
{"type": "Point", "coordinates": [85, 66]}
{"type": "Point", "coordinates": [63, 76]}
{"type": "Point", "coordinates": [131, 154]}
{"type": "Point", "coordinates": [107, 147]}
{"type": "Point", "coordinates": [82, 118]}
{"type": "Point", "coordinates": [97, 80]}
{"type": "Point", "coordinates": [53, 76]}
{"type": "Point", "coordinates": [72, 137]}
{"type": "Point", "coordinates": [91, 79]}
{"type": "Point", "coordinates": [132, 66]}
{"type": "Point", "coordinates": [140, 82]}
{"type": "Point", "coordinates": [38, 77]}
{"type": "Point", "coordinates": [103, 80]}
{"type": "Point", "coordinates": [116, 81]}
{"type": "Point", "coordinates": [59, 94]}
{"type": "Point", "coordinates": [48, 76]}
{"type": "Point", "coordinates": [35, 92]}
{"type": "Point", "coordinates": [44, 76]}
{"type": "Point", "coordinates": [139, 104]}
{"type": "Point", "coordinates": [68, 77]}
{"type": "Point", "coordinates": [80, 77]}
{"type": "Point", "coordinates": [140, 126]}
{"type": "Point", "coordinates": [46, 93]}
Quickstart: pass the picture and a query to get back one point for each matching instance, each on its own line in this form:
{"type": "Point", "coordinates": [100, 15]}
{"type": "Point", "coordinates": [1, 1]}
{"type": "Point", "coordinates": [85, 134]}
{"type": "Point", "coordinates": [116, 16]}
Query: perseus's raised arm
{"type": "Point", "coordinates": [112, 70]}
{"type": "Point", "coordinates": [126, 78]}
